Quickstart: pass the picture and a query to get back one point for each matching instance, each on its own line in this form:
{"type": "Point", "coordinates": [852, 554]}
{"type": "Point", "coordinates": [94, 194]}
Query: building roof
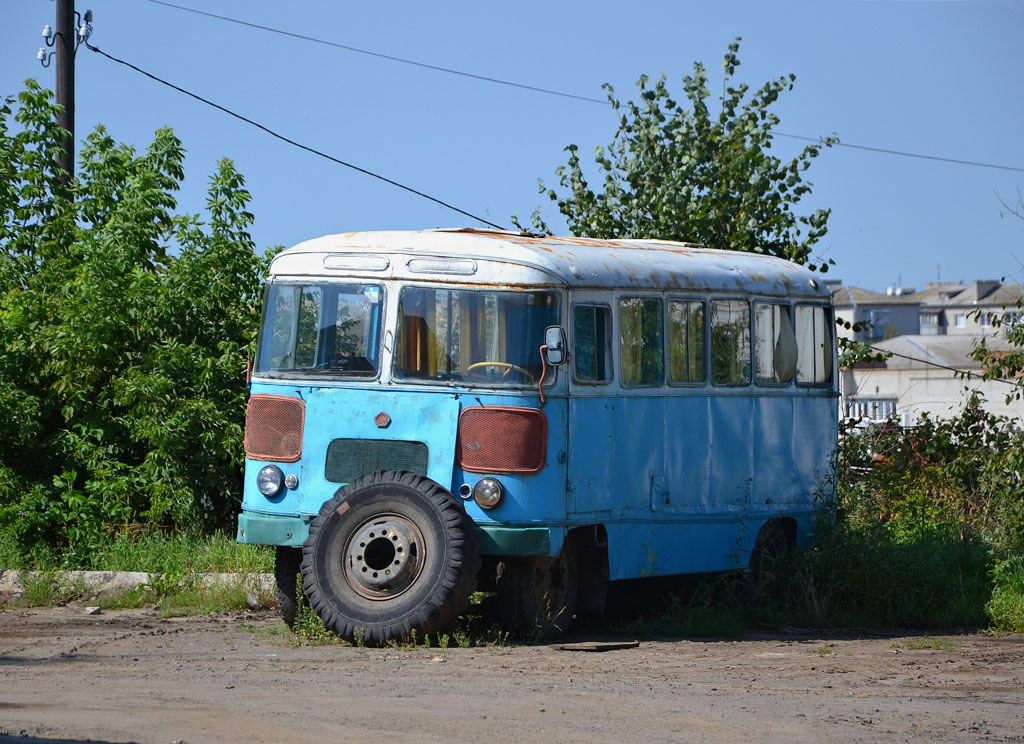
{"type": "Point", "coordinates": [935, 295]}
{"type": "Point", "coordinates": [984, 293]}
{"type": "Point", "coordinates": [504, 257]}
{"type": "Point", "coordinates": [844, 296]}
{"type": "Point", "coordinates": [923, 352]}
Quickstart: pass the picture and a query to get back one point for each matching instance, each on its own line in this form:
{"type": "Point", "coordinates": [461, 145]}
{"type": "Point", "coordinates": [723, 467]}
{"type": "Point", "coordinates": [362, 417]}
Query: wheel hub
{"type": "Point", "coordinates": [383, 556]}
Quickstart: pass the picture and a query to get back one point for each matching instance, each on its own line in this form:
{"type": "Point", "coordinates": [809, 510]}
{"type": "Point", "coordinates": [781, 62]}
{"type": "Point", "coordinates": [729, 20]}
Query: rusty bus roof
{"type": "Point", "coordinates": [568, 261]}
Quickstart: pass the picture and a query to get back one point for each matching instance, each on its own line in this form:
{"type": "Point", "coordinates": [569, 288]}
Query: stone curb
{"type": "Point", "coordinates": [105, 583]}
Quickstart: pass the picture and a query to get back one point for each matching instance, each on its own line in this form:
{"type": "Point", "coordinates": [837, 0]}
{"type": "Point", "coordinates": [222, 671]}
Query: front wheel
{"type": "Point", "coordinates": [390, 553]}
{"type": "Point", "coordinates": [537, 595]}
{"type": "Point", "coordinates": [287, 562]}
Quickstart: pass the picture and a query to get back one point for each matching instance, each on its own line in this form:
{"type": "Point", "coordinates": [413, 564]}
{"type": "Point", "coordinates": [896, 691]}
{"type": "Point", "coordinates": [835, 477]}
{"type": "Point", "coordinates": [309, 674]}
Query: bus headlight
{"type": "Point", "coordinates": [488, 493]}
{"type": "Point", "coordinates": [270, 481]}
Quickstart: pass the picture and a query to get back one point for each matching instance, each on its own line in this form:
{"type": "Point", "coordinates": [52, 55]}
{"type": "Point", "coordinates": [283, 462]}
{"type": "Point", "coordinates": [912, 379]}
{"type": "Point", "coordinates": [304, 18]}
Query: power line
{"type": "Point", "coordinates": [380, 55]}
{"type": "Point", "coordinates": [965, 372]}
{"type": "Point", "coordinates": [301, 146]}
{"type": "Point", "coordinates": [562, 94]}
{"type": "Point", "coordinates": [904, 154]}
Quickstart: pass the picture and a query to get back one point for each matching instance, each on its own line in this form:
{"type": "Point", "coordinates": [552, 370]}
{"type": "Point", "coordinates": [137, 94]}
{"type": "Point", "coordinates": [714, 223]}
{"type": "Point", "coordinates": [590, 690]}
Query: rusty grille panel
{"type": "Point", "coordinates": [347, 459]}
{"type": "Point", "coordinates": [273, 428]}
{"type": "Point", "coordinates": [502, 440]}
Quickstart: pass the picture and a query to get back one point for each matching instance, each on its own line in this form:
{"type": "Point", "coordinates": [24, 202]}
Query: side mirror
{"type": "Point", "coordinates": [555, 348]}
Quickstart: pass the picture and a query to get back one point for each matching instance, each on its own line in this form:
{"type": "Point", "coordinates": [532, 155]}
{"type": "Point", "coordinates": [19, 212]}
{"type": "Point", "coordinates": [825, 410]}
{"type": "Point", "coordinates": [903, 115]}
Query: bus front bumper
{"type": "Point", "coordinates": [291, 531]}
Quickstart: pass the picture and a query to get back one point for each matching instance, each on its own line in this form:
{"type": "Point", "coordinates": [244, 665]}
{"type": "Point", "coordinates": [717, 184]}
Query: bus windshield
{"type": "Point", "coordinates": [473, 336]}
{"type": "Point", "coordinates": [320, 329]}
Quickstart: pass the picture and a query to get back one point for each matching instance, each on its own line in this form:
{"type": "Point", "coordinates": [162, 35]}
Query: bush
{"type": "Point", "coordinates": [966, 471]}
{"type": "Point", "coordinates": [122, 363]}
{"type": "Point", "coordinates": [857, 577]}
{"type": "Point", "coordinates": [1006, 608]}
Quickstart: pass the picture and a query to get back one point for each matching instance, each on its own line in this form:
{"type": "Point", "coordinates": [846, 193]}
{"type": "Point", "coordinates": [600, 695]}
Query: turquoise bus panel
{"type": "Point", "coordinates": [530, 521]}
{"type": "Point", "coordinates": [336, 412]}
{"type": "Point", "coordinates": [683, 482]}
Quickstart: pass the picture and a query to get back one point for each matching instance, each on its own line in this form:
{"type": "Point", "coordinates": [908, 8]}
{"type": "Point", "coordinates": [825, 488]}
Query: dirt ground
{"type": "Point", "coordinates": [131, 676]}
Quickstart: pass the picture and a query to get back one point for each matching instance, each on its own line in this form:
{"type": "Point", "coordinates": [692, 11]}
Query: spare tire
{"type": "Point", "coordinates": [390, 553]}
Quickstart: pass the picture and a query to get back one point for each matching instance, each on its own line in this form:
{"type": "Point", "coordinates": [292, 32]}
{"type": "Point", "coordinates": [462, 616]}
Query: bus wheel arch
{"type": "Point", "coordinates": [776, 541]}
{"type": "Point", "coordinates": [591, 545]}
{"type": "Point", "coordinates": [390, 553]}
{"type": "Point", "coordinates": [538, 596]}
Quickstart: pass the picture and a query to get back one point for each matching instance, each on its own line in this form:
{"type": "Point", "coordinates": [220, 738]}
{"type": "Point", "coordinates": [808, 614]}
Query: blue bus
{"type": "Point", "coordinates": [441, 411]}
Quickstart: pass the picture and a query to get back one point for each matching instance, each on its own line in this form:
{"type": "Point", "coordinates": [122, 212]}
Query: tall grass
{"type": "Point", "coordinates": [155, 552]}
{"type": "Point", "coordinates": [858, 577]}
{"type": "Point", "coordinates": [179, 552]}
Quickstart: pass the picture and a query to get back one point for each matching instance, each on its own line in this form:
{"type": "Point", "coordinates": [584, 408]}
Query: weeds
{"type": "Point", "coordinates": [153, 551]}
{"type": "Point", "coordinates": [927, 642]}
{"type": "Point", "coordinates": [309, 629]}
{"type": "Point", "coordinates": [1006, 606]}
{"type": "Point", "coordinates": [180, 553]}
{"type": "Point", "coordinates": [50, 588]}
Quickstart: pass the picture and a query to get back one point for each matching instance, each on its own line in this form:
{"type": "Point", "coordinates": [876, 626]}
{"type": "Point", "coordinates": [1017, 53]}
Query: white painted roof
{"type": "Point", "coordinates": [512, 258]}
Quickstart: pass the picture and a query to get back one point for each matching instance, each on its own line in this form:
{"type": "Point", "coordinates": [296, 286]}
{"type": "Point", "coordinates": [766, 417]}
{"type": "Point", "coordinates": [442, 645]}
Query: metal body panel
{"type": "Point", "coordinates": [690, 478]}
{"type": "Point", "coordinates": [506, 259]}
{"type": "Point", "coordinates": [348, 412]}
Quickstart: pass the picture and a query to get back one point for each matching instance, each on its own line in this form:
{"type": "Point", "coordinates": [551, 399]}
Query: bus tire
{"type": "Point", "coordinates": [537, 595]}
{"type": "Point", "coordinates": [390, 553]}
{"type": "Point", "coordinates": [287, 564]}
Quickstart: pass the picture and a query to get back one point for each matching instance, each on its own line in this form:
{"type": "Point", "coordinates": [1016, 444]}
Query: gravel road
{"type": "Point", "coordinates": [131, 676]}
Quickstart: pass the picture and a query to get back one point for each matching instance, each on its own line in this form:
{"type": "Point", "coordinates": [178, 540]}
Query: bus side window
{"type": "Point", "coordinates": [730, 342]}
{"type": "Point", "coordinates": [592, 343]}
{"type": "Point", "coordinates": [641, 355]}
{"type": "Point", "coordinates": [774, 343]}
{"type": "Point", "coordinates": [685, 341]}
{"type": "Point", "coordinates": [814, 344]}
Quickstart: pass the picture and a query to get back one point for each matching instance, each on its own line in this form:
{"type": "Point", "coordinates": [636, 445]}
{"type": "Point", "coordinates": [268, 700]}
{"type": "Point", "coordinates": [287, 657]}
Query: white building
{"type": "Point", "coordinates": [919, 377]}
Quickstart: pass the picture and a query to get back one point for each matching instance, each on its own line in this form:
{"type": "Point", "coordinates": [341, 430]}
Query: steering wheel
{"type": "Point", "coordinates": [508, 367]}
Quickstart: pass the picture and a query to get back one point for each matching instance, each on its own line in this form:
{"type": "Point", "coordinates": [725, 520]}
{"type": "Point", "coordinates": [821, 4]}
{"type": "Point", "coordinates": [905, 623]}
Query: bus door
{"type": "Point", "coordinates": [592, 404]}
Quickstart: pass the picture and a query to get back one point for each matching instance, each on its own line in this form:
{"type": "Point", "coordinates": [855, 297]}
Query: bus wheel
{"type": "Point", "coordinates": [287, 563]}
{"type": "Point", "coordinates": [537, 594]}
{"type": "Point", "coordinates": [390, 553]}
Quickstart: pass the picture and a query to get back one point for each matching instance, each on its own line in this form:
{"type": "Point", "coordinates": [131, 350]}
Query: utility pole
{"type": "Point", "coordinates": [66, 35]}
{"type": "Point", "coordinates": [72, 31]}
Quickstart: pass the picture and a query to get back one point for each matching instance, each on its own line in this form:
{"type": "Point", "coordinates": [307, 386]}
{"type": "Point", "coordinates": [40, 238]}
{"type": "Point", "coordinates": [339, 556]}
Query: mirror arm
{"type": "Point", "coordinates": [543, 372]}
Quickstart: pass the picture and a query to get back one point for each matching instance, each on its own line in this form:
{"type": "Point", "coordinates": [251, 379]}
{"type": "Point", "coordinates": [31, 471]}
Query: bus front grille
{"type": "Point", "coordinates": [347, 459]}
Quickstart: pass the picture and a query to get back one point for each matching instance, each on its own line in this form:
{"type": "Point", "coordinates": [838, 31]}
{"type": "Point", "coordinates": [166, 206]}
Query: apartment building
{"type": "Point", "coordinates": [930, 335]}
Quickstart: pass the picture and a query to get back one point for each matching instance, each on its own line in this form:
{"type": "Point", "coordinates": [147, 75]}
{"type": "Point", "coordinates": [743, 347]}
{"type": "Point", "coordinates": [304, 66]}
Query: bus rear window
{"type": "Point", "coordinates": [320, 329]}
{"type": "Point", "coordinates": [814, 345]}
{"type": "Point", "coordinates": [473, 336]}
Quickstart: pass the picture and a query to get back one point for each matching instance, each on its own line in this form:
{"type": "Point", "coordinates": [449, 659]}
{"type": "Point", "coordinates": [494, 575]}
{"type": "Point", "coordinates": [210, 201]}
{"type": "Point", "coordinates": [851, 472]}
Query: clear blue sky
{"type": "Point", "coordinates": [936, 77]}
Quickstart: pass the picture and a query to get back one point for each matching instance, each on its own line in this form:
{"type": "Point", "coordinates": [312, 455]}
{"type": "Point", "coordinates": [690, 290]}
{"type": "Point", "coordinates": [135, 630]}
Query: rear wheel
{"type": "Point", "coordinates": [392, 552]}
{"type": "Point", "coordinates": [771, 552]}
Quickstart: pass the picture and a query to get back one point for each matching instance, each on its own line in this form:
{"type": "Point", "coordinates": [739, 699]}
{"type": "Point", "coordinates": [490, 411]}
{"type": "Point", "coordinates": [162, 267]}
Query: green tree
{"type": "Point", "coordinates": [680, 172]}
{"type": "Point", "coordinates": [122, 362]}
{"type": "Point", "coordinates": [1005, 363]}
